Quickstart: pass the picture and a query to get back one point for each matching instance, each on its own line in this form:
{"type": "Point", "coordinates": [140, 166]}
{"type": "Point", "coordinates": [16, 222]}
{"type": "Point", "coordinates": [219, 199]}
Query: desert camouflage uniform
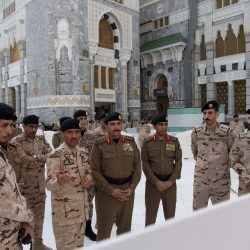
{"type": "Point", "coordinates": [240, 160]}
{"type": "Point", "coordinates": [32, 175]}
{"type": "Point", "coordinates": [70, 208]}
{"type": "Point", "coordinates": [13, 207]}
{"type": "Point", "coordinates": [15, 132]}
{"type": "Point", "coordinates": [98, 133]}
{"type": "Point", "coordinates": [86, 141]}
{"type": "Point", "coordinates": [212, 171]}
{"type": "Point", "coordinates": [57, 139]}
{"type": "Point", "coordinates": [237, 127]}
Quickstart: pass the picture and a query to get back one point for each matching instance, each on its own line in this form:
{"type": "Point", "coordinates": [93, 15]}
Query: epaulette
{"type": "Point", "coordinates": [225, 128]}
{"type": "Point", "coordinates": [241, 135]}
{"type": "Point", "coordinates": [195, 130]}
{"type": "Point", "coordinates": [129, 137]}
{"type": "Point", "coordinates": [100, 140]}
{"type": "Point", "coordinates": [148, 139]}
{"type": "Point", "coordinates": [56, 153]}
{"type": "Point", "coordinates": [173, 138]}
{"type": "Point", "coordinates": [11, 146]}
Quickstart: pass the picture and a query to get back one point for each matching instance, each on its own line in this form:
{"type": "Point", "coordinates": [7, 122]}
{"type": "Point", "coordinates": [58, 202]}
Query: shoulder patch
{"type": "Point", "coordinates": [195, 130]}
{"type": "Point", "coordinates": [225, 128]}
{"type": "Point", "coordinates": [100, 140]}
{"type": "Point", "coordinates": [173, 138]}
{"type": "Point", "coordinates": [56, 154]}
{"type": "Point", "coordinates": [242, 135]}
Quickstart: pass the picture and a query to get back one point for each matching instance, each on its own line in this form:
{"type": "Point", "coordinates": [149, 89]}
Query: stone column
{"type": "Point", "coordinates": [18, 108]}
{"type": "Point", "coordinates": [23, 100]}
{"type": "Point", "coordinates": [230, 97]}
{"type": "Point", "coordinates": [124, 90]}
{"type": "Point", "coordinates": [6, 57]}
{"type": "Point", "coordinates": [92, 88]}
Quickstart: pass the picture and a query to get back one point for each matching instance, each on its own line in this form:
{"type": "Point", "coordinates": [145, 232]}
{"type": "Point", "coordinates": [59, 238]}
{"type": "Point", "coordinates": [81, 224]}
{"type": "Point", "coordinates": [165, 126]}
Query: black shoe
{"type": "Point", "coordinates": [89, 232]}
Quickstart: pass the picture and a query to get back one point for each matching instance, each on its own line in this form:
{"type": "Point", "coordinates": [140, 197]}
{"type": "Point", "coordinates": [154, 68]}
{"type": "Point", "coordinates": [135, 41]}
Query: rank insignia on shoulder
{"type": "Point", "coordinates": [108, 141]}
{"type": "Point", "coordinates": [127, 147]}
{"type": "Point", "coordinates": [154, 138]}
{"type": "Point", "coordinates": [170, 147]}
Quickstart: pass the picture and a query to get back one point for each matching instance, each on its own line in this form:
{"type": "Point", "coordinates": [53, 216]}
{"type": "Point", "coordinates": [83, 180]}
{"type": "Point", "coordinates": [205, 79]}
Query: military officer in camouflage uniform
{"type": "Point", "coordinates": [57, 138]}
{"type": "Point", "coordinates": [116, 169]}
{"type": "Point", "coordinates": [86, 141]}
{"type": "Point", "coordinates": [211, 144]}
{"type": "Point", "coordinates": [15, 130]}
{"type": "Point", "coordinates": [14, 214]}
{"type": "Point", "coordinates": [236, 125]}
{"type": "Point", "coordinates": [32, 153]}
{"type": "Point", "coordinates": [240, 159]}
{"type": "Point", "coordinates": [161, 164]}
{"type": "Point", "coordinates": [101, 131]}
{"type": "Point", "coordinates": [68, 179]}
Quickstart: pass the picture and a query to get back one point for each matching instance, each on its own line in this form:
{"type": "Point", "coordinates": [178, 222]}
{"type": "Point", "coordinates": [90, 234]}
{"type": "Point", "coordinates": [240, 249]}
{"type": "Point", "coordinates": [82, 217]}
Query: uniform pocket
{"type": "Point", "coordinates": [74, 209]}
{"type": "Point", "coordinates": [128, 154]}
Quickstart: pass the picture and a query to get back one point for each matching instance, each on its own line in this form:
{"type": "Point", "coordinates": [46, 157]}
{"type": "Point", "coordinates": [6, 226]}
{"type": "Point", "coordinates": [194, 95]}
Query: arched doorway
{"type": "Point", "coordinates": [161, 93]}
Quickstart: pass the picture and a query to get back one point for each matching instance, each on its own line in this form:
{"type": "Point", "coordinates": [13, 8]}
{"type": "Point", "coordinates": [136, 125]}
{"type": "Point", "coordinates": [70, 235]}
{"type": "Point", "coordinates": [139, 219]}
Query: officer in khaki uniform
{"type": "Point", "coordinates": [161, 164]}
{"type": "Point", "coordinates": [57, 138]}
{"type": "Point", "coordinates": [68, 179]}
{"type": "Point", "coordinates": [32, 153]}
{"type": "Point", "coordinates": [86, 141]}
{"type": "Point", "coordinates": [116, 169]}
{"type": "Point", "coordinates": [14, 214]}
{"type": "Point", "coordinates": [237, 126]}
{"type": "Point", "coordinates": [240, 159]}
{"type": "Point", "coordinates": [211, 144]}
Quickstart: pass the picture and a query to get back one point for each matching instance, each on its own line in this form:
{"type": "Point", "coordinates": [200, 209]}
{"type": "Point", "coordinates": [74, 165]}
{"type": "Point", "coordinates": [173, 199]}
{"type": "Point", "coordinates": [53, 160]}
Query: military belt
{"type": "Point", "coordinates": [120, 181]}
{"type": "Point", "coordinates": [163, 177]}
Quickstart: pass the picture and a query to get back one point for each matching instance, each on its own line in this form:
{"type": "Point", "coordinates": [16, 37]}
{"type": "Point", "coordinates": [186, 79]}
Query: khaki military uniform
{"type": "Point", "coordinates": [70, 208]}
{"type": "Point", "coordinates": [86, 141]}
{"type": "Point", "coordinates": [240, 160]}
{"type": "Point", "coordinates": [237, 127]}
{"type": "Point", "coordinates": [32, 175]}
{"type": "Point", "coordinates": [15, 132]}
{"type": "Point", "coordinates": [212, 171]}
{"type": "Point", "coordinates": [13, 207]}
{"type": "Point", "coordinates": [114, 166]}
{"type": "Point", "coordinates": [161, 160]}
{"type": "Point", "coordinates": [57, 139]}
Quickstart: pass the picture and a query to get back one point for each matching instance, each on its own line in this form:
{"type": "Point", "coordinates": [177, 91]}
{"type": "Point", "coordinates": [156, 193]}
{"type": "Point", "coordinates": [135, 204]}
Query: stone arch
{"type": "Point", "coordinates": [203, 48]}
{"type": "Point", "coordinates": [230, 41]}
{"type": "Point", "coordinates": [241, 45]}
{"type": "Point", "coordinates": [219, 45]}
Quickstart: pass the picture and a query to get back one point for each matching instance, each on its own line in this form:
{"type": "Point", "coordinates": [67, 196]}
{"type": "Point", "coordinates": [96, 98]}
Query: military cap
{"type": "Point", "coordinates": [101, 116]}
{"type": "Point", "coordinates": [236, 115]}
{"type": "Point", "coordinates": [159, 118]}
{"type": "Point", "coordinates": [64, 118]}
{"type": "Point", "coordinates": [80, 113]}
{"type": "Point", "coordinates": [115, 116]}
{"type": "Point", "coordinates": [211, 105]}
{"type": "Point", "coordinates": [6, 112]}
{"type": "Point", "coordinates": [31, 119]}
{"type": "Point", "coordinates": [248, 111]}
{"type": "Point", "coordinates": [70, 124]}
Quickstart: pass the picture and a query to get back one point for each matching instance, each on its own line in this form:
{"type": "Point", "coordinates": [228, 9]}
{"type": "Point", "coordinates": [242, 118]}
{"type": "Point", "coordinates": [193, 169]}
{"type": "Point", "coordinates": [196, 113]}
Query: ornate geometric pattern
{"type": "Point", "coordinates": [203, 89]}
{"type": "Point", "coordinates": [240, 96]}
{"type": "Point", "coordinates": [222, 94]}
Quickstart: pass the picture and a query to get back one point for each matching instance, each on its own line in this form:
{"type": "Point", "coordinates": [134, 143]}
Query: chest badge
{"type": "Point", "coordinates": [170, 147]}
{"type": "Point", "coordinates": [127, 147]}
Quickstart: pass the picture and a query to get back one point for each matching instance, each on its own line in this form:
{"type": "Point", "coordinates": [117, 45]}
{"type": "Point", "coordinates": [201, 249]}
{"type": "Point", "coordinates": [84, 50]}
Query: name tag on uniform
{"type": "Point", "coordinates": [170, 147]}
{"type": "Point", "coordinates": [127, 147]}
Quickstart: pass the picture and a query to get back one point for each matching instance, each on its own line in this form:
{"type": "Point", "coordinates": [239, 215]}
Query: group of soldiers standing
{"type": "Point", "coordinates": [107, 165]}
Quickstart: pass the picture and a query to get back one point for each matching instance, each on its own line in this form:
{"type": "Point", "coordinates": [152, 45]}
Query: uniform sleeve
{"type": "Point", "coordinates": [136, 176]}
{"type": "Point", "coordinates": [230, 139]}
{"type": "Point", "coordinates": [10, 209]}
{"type": "Point", "coordinates": [194, 146]}
{"type": "Point", "coordinates": [95, 164]}
{"type": "Point", "coordinates": [178, 164]}
{"type": "Point", "coordinates": [234, 156]}
{"type": "Point", "coordinates": [146, 166]}
{"type": "Point", "coordinates": [47, 150]}
{"type": "Point", "coordinates": [56, 141]}
{"type": "Point", "coordinates": [53, 168]}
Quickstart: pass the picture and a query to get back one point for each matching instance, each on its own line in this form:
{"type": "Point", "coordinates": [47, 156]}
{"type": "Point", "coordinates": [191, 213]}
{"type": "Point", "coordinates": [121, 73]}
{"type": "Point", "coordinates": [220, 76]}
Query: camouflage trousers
{"type": "Point", "coordinates": [242, 188]}
{"type": "Point", "coordinates": [69, 237]}
{"type": "Point", "coordinates": [36, 203]}
{"type": "Point", "coordinates": [205, 189]}
{"type": "Point", "coordinates": [91, 195]}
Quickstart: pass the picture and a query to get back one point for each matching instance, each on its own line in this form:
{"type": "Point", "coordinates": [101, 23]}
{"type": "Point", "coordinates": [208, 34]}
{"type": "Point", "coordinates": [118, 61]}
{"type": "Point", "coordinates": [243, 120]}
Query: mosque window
{"type": "Point", "coordinates": [230, 42]}
{"type": "Point", "coordinates": [103, 77]}
{"type": "Point", "coordinates": [222, 94]}
{"type": "Point", "coordinates": [96, 76]}
{"type": "Point", "coordinates": [111, 78]}
{"type": "Point", "coordinates": [203, 89]}
{"type": "Point", "coordinates": [203, 49]}
{"type": "Point", "coordinates": [220, 47]}
{"type": "Point", "coordinates": [241, 41]}
{"type": "Point", "coordinates": [106, 37]}
{"type": "Point", "coordinates": [14, 53]}
{"type": "Point", "coordinates": [119, 1]}
{"type": "Point", "coordinates": [9, 10]}
{"type": "Point", "coordinates": [240, 96]}
{"type": "Point", "coordinates": [225, 3]}
{"type": "Point", "coordinates": [161, 22]}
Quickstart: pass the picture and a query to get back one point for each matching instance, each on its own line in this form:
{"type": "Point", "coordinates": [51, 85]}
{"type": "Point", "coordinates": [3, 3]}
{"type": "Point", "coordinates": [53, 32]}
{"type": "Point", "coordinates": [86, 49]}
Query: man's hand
{"type": "Point", "coordinates": [63, 178]}
{"type": "Point", "coordinates": [168, 184]}
{"type": "Point", "coordinates": [28, 158]}
{"type": "Point", "coordinates": [28, 229]}
{"type": "Point", "coordinates": [119, 195]}
{"type": "Point", "coordinates": [87, 184]}
{"type": "Point", "coordinates": [128, 192]}
{"type": "Point", "coordinates": [160, 185]}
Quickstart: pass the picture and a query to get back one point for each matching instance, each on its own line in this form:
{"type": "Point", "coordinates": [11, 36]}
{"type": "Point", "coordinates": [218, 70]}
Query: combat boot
{"type": "Point", "coordinates": [89, 232]}
{"type": "Point", "coordinates": [40, 246]}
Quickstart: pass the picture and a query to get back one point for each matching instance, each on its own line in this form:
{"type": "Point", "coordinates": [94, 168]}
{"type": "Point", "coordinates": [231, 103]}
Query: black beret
{"type": "Point", "coordinates": [70, 124]}
{"type": "Point", "coordinates": [115, 116]}
{"type": "Point", "coordinates": [248, 111]}
{"type": "Point", "coordinates": [102, 116]}
{"type": "Point", "coordinates": [159, 118]}
{"type": "Point", "coordinates": [6, 112]}
{"type": "Point", "coordinates": [80, 113]}
{"type": "Point", "coordinates": [64, 118]}
{"type": "Point", "coordinates": [211, 105]}
{"type": "Point", "coordinates": [235, 116]}
{"type": "Point", "coordinates": [31, 119]}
